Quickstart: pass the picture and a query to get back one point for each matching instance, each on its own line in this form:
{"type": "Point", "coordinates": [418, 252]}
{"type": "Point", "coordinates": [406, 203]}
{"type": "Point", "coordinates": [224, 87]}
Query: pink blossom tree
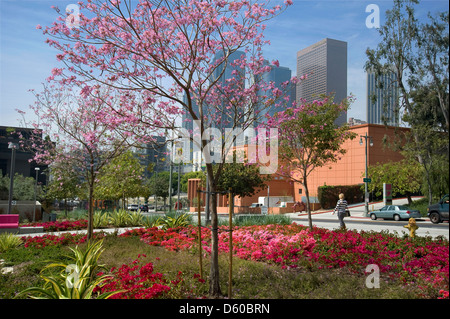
{"type": "Point", "coordinates": [309, 138]}
{"type": "Point", "coordinates": [79, 131]}
{"type": "Point", "coordinates": [176, 55]}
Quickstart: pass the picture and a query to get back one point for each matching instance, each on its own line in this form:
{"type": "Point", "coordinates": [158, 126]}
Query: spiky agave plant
{"type": "Point", "coordinates": [9, 241]}
{"type": "Point", "coordinates": [101, 219]}
{"type": "Point", "coordinates": [76, 280]}
{"type": "Point", "coordinates": [177, 220]}
{"type": "Point", "coordinates": [135, 218]}
{"type": "Point", "coordinates": [119, 218]}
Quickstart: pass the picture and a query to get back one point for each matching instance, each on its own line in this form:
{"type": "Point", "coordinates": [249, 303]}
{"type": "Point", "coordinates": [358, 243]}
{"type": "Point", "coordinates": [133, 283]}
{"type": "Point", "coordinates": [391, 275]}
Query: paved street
{"type": "Point", "coordinates": [357, 221]}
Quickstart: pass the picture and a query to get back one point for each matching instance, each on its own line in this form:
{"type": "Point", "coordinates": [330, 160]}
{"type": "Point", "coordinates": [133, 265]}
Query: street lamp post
{"type": "Point", "coordinates": [366, 195]}
{"type": "Point", "coordinates": [35, 193]}
{"type": "Point", "coordinates": [179, 152]}
{"type": "Point", "coordinates": [13, 147]}
{"type": "Point", "coordinates": [155, 175]}
{"type": "Point", "coordinates": [179, 180]}
{"type": "Point", "coordinates": [170, 174]}
{"type": "Point", "coordinates": [170, 184]}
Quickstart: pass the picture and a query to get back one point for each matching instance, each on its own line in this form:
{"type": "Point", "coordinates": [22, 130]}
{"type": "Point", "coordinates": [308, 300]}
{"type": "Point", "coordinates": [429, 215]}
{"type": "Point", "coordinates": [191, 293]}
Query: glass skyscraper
{"type": "Point", "coordinates": [325, 64]}
{"type": "Point", "coordinates": [221, 74]}
{"type": "Point", "coordinates": [277, 75]}
{"type": "Point", "coordinates": [382, 99]}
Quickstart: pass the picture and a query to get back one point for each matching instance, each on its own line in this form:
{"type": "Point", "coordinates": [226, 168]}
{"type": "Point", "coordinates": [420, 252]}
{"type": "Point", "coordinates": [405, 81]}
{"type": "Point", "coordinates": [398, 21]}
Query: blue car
{"type": "Point", "coordinates": [395, 212]}
{"type": "Point", "coordinates": [439, 212]}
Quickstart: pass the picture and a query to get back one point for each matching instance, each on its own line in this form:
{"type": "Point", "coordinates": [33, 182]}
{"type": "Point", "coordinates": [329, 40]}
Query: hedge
{"type": "Point", "coordinates": [329, 195]}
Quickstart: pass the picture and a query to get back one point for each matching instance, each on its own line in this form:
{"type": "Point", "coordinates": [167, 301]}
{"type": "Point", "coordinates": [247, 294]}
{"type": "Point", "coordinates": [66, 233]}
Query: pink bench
{"type": "Point", "coordinates": [9, 221]}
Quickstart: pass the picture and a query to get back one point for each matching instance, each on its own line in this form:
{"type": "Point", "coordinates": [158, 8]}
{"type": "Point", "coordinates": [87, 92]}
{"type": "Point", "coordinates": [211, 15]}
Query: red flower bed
{"type": "Point", "coordinates": [419, 261]}
{"type": "Point", "coordinates": [136, 281]}
{"type": "Point", "coordinates": [57, 240]}
{"type": "Point", "coordinates": [61, 225]}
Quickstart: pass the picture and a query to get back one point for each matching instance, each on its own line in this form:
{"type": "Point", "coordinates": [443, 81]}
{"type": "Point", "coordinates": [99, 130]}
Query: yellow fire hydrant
{"type": "Point", "coordinates": [412, 226]}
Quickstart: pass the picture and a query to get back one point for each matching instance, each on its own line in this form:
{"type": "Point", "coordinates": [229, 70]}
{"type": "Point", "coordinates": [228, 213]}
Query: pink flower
{"type": "Point", "coordinates": [85, 91]}
{"type": "Point", "coordinates": [56, 71]}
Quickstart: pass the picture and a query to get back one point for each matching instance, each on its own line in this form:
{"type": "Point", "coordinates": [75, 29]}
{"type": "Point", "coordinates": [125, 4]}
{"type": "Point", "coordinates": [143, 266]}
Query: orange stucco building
{"type": "Point", "coordinates": [348, 170]}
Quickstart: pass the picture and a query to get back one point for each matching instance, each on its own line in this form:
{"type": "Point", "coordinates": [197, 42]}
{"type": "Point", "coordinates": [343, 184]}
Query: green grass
{"type": "Point", "coordinates": [27, 263]}
{"type": "Point", "coordinates": [251, 280]}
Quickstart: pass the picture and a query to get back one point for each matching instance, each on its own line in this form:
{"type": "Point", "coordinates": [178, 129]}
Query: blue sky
{"type": "Point", "coordinates": [26, 60]}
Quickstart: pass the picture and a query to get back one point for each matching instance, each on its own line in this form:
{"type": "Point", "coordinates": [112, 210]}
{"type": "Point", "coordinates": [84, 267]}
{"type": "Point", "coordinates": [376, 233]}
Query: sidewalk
{"type": "Point", "coordinates": [83, 231]}
{"type": "Point", "coordinates": [356, 210]}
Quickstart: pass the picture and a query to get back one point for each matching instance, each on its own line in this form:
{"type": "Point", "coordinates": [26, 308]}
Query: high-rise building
{"type": "Point", "coordinates": [325, 64]}
{"type": "Point", "coordinates": [188, 124]}
{"type": "Point", "coordinates": [227, 75]}
{"type": "Point", "coordinates": [222, 74]}
{"type": "Point", "coordinates": [277, 75]}
{"type": "Point", "coordinates": [156, 154]}
{"type": "Point", "coordinates": [382, 99]}
{"type": "Point", "coordinates": [23, 163]}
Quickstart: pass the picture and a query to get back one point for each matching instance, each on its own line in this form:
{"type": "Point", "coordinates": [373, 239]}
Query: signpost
{"type": "Point", "coordinates": [264, 210]}
{"type": "Point", "coordinates": [387, 194]}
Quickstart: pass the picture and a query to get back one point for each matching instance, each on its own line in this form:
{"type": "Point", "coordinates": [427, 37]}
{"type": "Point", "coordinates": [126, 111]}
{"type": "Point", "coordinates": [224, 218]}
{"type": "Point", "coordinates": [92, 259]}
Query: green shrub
{"type": "Point", "coordinates": [135, 219]}
{"type": "Point", "coordinates": [248, 220]}
{"type": "Point", "coordinates": [150, 221]}
{"type": "Point", "coordinates": [9, 241]}
{"type": "Point", "coordinates": [101, 219]}
{"type": "Point", "coordinates": [329, 195]}
{"type": "Point", "coordinates": [119, 218]}
{"type": "Point", "coordinates": [76, 280]}
{"type": "Point", "coordinates": [421, 205]}
{"type": "Point", "coordinates": [171, 220]}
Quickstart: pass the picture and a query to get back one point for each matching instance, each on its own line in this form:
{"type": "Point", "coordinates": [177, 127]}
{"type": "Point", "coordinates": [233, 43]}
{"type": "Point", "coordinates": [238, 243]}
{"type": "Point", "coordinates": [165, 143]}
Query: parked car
{"type": "Point", "coordinates": [143, 208]}
{"type": "Point", "coordinates": [439, 212]}
{"type": "Point", "coordinates": [396, 212]}
{"type": "Point", "coordinates": [133, 207]}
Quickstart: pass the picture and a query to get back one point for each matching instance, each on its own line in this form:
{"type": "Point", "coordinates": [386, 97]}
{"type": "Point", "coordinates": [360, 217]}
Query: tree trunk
{"type": "Point", "coordinates": [214, 283]}
{"type": "Point", "coordinates": [90, 230]}
{"type": "Point", "coordinates": [408, 195]}
{"type": "Point", "coordinates": [429, 185]}
{"type": "Point", "coordinates": [308, 208]}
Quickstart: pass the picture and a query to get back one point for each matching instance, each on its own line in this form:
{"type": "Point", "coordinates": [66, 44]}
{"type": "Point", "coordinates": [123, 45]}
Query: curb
{"type": "Point", "coordinates": [358, 205]}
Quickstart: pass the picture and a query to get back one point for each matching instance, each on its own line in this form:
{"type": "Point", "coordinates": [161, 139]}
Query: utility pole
{"type": "Point", "coordinates": [13, 147]}
{"type": "Point", "coordinates": [366, 180]}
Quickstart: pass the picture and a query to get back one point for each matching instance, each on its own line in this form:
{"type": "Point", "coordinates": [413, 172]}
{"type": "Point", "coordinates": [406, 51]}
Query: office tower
{"type": "Point", "coordinates": [188, 124]}
{"type": "Point", "coordinates": [325, 64]}
{"type": "Point", "coordinates": [24, 163]}
{"type": "Point", "coordinates": [154, 153]}
{"type": "Point", "coordinates": [382, 99]}
{"type": "Point", "coordinates": [219, 72]}
{"type": "Point", "coordinates": [277, 75]}
{"type": "Point", "coordinates": [230, 76]}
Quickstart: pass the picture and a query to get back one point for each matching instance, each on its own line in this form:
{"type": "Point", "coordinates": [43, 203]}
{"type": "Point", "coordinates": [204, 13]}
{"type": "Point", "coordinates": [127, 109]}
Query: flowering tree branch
{"type": "Point", "coordinates": [175, 55]}
{"type": "Point", "coordinates": [309, 138]}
